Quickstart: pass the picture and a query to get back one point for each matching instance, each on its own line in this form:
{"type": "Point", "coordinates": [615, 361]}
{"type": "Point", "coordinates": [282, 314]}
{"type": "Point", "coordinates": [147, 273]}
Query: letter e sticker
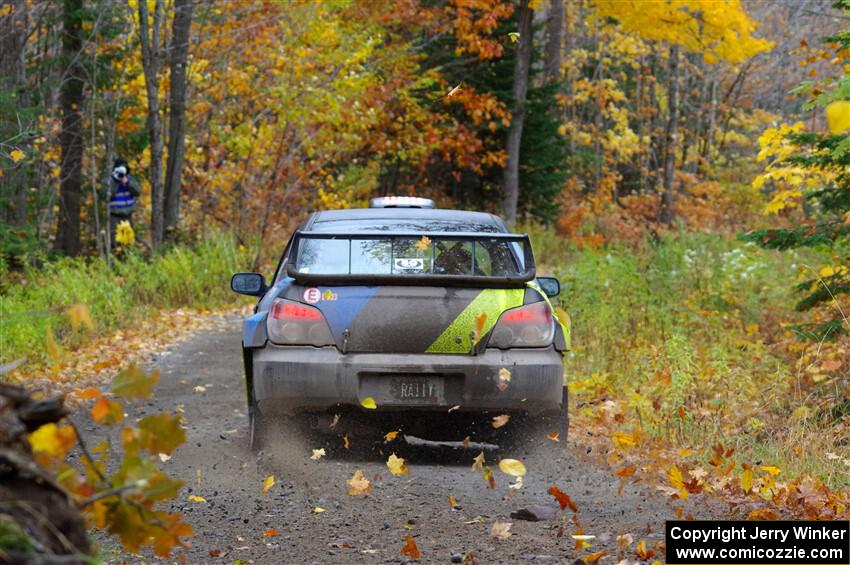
{"type": "Point", "coordinates": [312, 295]}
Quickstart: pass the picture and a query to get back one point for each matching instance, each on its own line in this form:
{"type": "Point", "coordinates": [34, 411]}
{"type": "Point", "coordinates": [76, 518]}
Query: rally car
{"type": "Point", "coordinates": [407, 313]}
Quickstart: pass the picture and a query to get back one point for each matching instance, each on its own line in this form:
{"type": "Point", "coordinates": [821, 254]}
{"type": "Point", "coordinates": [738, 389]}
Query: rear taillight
{"type": "Point", "coordinates": [293, 323]}
{"type": "Point", "coordinates": [527, 326]}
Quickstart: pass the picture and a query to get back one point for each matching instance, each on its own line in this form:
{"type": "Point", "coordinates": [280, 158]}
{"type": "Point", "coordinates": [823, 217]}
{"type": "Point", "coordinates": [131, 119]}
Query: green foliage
{"type": "Point", "coordinates": [182, 277]}
{"type": "Point", "coordinates": [690, 322]}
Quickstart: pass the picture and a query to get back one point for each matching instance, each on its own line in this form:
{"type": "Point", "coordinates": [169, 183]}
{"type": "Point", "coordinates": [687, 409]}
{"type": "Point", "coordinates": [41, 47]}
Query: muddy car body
{"type": "Point", "coordinates": [410, 309]}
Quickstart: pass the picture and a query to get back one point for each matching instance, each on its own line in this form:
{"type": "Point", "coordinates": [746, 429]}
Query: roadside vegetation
{"type": "Point", "coordinates": [35, 303]}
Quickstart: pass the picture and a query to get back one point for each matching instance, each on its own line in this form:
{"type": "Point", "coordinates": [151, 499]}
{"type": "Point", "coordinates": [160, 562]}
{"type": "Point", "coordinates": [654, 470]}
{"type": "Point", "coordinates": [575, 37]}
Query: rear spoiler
{"type": "Point", "coordinates": [522, 252]}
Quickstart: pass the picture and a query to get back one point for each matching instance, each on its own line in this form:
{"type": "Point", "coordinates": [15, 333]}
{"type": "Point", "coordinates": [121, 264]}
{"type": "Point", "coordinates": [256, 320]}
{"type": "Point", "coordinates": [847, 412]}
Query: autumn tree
{"type": "Point", "coordinates": [813, 167]}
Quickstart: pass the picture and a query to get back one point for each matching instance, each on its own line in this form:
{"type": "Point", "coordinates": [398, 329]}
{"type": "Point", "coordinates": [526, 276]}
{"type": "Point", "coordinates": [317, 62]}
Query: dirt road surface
{"type": "Point", "coordinates": [203, 377]}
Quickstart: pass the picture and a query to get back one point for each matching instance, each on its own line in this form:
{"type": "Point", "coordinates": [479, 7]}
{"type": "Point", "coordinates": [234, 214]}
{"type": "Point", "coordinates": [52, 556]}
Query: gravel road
{"type": "Point", "coordinates": [203, 377]}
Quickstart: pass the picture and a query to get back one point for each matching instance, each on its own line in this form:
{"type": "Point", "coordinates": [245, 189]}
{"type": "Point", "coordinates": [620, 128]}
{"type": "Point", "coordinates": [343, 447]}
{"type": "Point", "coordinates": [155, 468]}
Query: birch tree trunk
{"type": "Point", "coordinates": [665, 213]}
{"type": "Point", "coordinates": [181, 28]}
{"type": "Point", "coordinates": [150, 33]}
{"type": "Point", "coordinates": [510, 180]}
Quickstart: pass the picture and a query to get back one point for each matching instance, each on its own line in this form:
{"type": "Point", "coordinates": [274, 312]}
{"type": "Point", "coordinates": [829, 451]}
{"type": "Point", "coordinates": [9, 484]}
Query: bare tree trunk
{"type": "Point", "coordinates": [152, 63]}
{"type": "Point", "coordinates": [510, 180]}
{"type": "Point", "coordinates": [71, 137]}
{"type": "Point", "coordinates": [709, 128]}
{"type": "Point", "coordinates": [181, 28]}
{"type": "Point", "coordinates": [13, 79]}
{"type": "Point", "coordinates": [555, 21]}
{"type": "Point", "coordinates": [665, 214]}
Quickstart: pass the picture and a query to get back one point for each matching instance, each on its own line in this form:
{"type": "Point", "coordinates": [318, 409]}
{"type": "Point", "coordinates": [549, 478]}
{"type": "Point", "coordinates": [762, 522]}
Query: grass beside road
{"type": "Point", "coordinates": [34, 312]}
{"type": "Point", "coordinates": [685, 344]}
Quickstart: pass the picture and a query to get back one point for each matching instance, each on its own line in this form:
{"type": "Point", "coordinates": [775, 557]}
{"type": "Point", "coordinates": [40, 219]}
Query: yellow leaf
{"type": "Point", "coordinates": [52, 440]}
{"type": "Point", "coordinates": [194, 498]}
{"type": "Point", "coordinates": [318, 510]}
{"type": "Point", "coordinates": [345, 441]}
{"type": "Point", "coordinates": [17, 155]}
{"type": "Point", "coordinates": [452, 501]}
{"type": "Point", "coordinates": [359, 485]}
{"type": "Point", "coordinates": [770, 469]}
{"type": "Point", "coordinates": [501, 530]}
{"type": "Point", "coordinates": [396, 465]}
{"type": "Point", "coordinates": [390, 436]}
{"type": "Point", "coordinates": [318, 454]}
{"type": "Point", "coordinates": [268, 484]}
{"type": "Point", "coordinates": [624, 440]}
{"type": "Point", "coordinates": [504, 375]}
{"type": "Point", "coordinates": [499, 421]}
{"type": "Point", "coordinates": [423, 243]}
{"type": "Point", "coordinates": [478, 462]}
{"type": "Point", "coordinates": [369, 403]}
{"type": "Point", "coordinates": [514, 36]}
{"type": "Point", "coordinates": [676, 479]}
{"type": "Point", "coordinates": [837, 116]}
{"type": "Point", "coordinates": [747, 480]}
{"type": "Point", "coordinates": [512, 467]}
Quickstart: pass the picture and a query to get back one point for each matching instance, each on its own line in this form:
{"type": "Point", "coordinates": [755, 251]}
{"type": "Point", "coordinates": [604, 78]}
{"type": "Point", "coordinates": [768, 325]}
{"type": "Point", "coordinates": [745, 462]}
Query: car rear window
{"type": "Point", "coordinates": [474, 256]}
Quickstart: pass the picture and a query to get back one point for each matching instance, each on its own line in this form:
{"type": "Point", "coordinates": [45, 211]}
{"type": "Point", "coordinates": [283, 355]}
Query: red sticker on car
{"type": "Point", "coordinates": [312, 295]}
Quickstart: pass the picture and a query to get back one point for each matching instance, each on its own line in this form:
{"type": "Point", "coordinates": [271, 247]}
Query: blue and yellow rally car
{"type": "Point", "coordinates": [401, 310]}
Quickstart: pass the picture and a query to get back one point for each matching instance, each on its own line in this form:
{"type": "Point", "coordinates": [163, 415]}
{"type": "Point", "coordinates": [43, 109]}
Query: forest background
{"type": "Point", "coordinates": [653, 149]}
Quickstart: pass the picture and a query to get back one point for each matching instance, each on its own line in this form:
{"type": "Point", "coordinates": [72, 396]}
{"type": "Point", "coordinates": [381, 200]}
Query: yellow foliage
{"type": "Point", "coordinates": [52, 440]}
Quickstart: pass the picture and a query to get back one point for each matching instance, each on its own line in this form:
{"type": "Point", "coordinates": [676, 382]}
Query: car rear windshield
{"type": "Point", "coordinates": [355, 255]}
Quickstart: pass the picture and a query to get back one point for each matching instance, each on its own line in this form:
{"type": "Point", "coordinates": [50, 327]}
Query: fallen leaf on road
{"type": "Point", "coordinates": [409, 548]}
{"type": "Point", "coordinates": [390, 436]}
{"type": "Point", "coordinates": [268, 484]}
{"type": "Point", "coordinates": [318, 510]}
{"type": "Point", "coordinates": [625, 540]}
{"type": "Point", "coordinates": [199, 388]}
{"type": "Point", "coordinates": [194, 498]}
{"type": "Point", "coordinates": [478, 462]}
{"type": "Point", "coordinates": [501, 530]}
{"type": "Point", "coordinates": [555, 436]}
{"type": "Point", "coordinates": [453, 408]}
{"type": "Point", "coordinates": [489, 478]}
{"type": "Point", "coordinates": [335, 421]}
{"type": "Point", "coordinates": [164, 457]}
{"type": "Point", "coordinates": [270, 533]}
{"type": "Point", "coordinates": [359, 485]}
{"type": "Point", "coordinates": [642, 552]}
{"type": "Point", "coordinates": [499, 421]}
{"type": "Point", "coordinates": [452, 501]}
{"type": "Point", "coordinates": [594, 557]}
{"type": "Point", "coordinates": [517, 484]}
{"type": "Point", "coordinates": [476, 520]}
{"type": "Point", "coordinates": [512, 467]}
{"type": "Point", "coordinates": [318, 454]}
{"type": "Point", "coordinates": [396, 465]}
{"type": "Point", "coordinates": [625, 472]}
{"type": "Point", "coordinates": [563, 499]}
{"type": "Point", "coordinates": [369, 403]}
{"type": "Point", "coordinates": [345, 441]}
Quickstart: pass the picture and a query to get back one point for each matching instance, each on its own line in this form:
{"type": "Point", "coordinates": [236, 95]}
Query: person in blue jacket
{"type": "Point", "coordinates": [122, 194]}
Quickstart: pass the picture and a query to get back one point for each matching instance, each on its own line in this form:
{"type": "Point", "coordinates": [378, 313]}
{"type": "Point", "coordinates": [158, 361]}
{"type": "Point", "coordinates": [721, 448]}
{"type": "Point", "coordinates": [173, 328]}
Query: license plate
{"type": "Point", "coordinates": [417, 390]}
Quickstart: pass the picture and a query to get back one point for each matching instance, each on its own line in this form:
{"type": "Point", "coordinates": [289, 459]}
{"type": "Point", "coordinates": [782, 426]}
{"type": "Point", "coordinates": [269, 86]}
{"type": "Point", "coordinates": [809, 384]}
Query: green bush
{"type": "Point", "coordinates": [196, 277]}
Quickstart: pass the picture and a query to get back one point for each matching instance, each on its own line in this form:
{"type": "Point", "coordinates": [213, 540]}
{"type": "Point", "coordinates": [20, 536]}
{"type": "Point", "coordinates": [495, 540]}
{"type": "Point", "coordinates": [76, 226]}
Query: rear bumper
{"type": "Point", "coordinates": [293, 379]}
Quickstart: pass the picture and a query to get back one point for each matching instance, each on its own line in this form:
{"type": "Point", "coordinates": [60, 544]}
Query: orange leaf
{"type": "Point", "coordinates": [594, 557]}
{"type": "Point", "coordinates": [499, 421]}
{"type": "Point", "coordinates": [625, 472]}
{"type": "Point", "coordinates": [563, 499]}
{"type": "Point", "coordinates": [554, 436]}
{"type": "Point", "coordinates": [270, 533]}
{"type": "Point", "coordinates": [410, 549]}
{"type": "Point", "coordinates": [642, 552]}
{"type": "Point", "coordinates": [88, 393]}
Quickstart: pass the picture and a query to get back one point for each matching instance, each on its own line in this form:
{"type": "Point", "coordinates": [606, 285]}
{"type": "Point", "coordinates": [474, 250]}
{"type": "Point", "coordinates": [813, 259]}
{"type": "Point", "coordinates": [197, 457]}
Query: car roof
{"type": "Point", "coordinates": [404, 219]}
